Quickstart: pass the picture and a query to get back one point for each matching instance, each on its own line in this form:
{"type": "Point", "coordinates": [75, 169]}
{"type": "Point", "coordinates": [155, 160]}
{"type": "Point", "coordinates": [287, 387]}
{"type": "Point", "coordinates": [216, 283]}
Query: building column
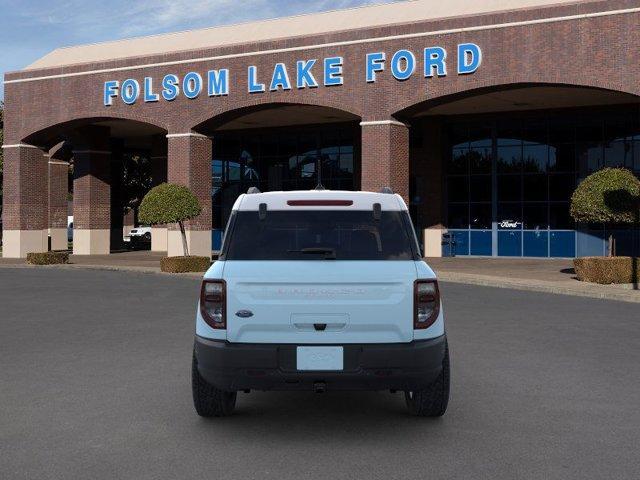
{"type": "Point", "coordinates": [128, 222]}
{"type": "Point", "coordinates": [116, 174]}
{"type": "Point", "coordinates": [58, 191]}
{"type": "Point", "coordinates": [189, 164]}
{"type": "Point", "coordinates": [159, 175]}
{"type": "Point", "coordinates": [427, 153]}
{"type": "Point", "coordinates": [24, 201]}
{"type": "Point", "coordinates": [92, 193]}
{"type": "Point", "coordinates": [385, 157]}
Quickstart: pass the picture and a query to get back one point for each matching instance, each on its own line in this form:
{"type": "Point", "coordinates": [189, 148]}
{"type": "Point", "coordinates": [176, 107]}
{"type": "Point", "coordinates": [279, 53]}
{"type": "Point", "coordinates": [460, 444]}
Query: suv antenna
{"type": "Point", "coordinates": [319, 186]}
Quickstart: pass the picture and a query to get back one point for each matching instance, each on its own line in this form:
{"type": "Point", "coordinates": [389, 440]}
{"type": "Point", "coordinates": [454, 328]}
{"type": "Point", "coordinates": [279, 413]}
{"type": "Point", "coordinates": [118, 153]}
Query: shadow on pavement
{"type": "Point", "coordinates": [341, 416]}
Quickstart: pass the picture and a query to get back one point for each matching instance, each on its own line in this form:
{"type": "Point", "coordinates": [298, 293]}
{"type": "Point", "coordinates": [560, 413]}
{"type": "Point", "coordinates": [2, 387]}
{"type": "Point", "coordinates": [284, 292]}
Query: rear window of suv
{"type": "Point", "coordinates": [320, 235]}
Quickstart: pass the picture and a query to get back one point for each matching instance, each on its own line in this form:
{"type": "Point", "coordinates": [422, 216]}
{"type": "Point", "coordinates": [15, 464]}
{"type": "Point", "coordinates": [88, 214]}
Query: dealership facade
{"type": "Point", "coordinates": [483, 119]}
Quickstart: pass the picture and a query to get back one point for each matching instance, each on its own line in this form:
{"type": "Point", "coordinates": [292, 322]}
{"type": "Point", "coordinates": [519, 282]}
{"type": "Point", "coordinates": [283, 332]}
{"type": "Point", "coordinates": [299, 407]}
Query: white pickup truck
{"type": "Point", "coordinates": [320, 290]}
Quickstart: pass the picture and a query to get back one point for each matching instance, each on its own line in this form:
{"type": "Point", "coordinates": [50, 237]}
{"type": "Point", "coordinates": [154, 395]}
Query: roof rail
{"type": "Point", "coordinates": [386, 190]}
{"type": "Point", "coordinates": [253, 190]}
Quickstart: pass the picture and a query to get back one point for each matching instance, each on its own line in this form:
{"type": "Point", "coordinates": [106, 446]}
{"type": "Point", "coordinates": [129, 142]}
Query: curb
{"type": "Point", "coordinates": [112, 268]}
{"type": "Point", "coordinates": [603, 292]}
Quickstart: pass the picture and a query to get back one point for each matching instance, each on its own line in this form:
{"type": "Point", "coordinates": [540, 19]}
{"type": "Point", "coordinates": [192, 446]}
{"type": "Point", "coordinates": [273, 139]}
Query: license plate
{"type": "Point", "coordinates": [320, 358]}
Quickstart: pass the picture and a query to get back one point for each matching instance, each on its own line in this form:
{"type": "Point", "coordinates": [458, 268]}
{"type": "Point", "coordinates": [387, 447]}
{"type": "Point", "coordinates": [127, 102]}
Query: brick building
{"type": "Point", "coordinates": [482, 115]}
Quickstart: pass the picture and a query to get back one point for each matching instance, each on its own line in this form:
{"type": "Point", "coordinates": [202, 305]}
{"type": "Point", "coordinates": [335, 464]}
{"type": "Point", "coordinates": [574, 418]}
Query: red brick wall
{"type": "Point", "coordinates": [596, 52]}
{"type": "Point", "coordinates": [426, 168]}
{"type": "Point", "coordinates": [58, 189]}
{"type": "Point", "coordinates": [385, 158]}
{"type": "Point", "coordinates": [91, 190]}
{"type": "Point", "coordinates": [24, 201]}
{"type": "Point", "coordinates": [189, 157]}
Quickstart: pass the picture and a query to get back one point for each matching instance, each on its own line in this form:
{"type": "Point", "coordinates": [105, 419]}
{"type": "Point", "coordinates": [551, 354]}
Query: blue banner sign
{"type": "Point", "coordinates": [310, 73]}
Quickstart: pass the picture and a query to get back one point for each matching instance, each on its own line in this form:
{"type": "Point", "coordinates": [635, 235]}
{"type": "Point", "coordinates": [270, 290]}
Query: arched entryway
{"type": "Point", "coordinates": [113, 162]}
{"type": "Point", "coordinates": [496, 167]}
{"type": "Point", "coordinates": [280, 147]}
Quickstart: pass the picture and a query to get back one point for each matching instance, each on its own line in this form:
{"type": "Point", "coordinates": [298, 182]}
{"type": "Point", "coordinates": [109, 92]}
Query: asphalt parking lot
{"type": "Point", "coordinates": [95, 383]}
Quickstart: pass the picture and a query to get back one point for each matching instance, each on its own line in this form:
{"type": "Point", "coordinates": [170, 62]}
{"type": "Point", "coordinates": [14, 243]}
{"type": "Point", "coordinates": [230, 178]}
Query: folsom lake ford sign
{"type": "Point", "coordinates": [310, 73]}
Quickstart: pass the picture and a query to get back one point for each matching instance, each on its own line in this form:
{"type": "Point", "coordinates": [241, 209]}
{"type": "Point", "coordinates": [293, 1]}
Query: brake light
{"type": "Point", "coordinates": [319, 203]}
{"type": "Point", "coordinates": [426, 303]}
{"type": "Point", "coordinates": [213, 299]}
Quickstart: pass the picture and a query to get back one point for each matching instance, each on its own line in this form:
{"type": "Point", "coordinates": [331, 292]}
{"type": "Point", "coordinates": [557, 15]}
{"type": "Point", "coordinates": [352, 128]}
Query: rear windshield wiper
{"type": "Point", "coordinates": [330, 253]}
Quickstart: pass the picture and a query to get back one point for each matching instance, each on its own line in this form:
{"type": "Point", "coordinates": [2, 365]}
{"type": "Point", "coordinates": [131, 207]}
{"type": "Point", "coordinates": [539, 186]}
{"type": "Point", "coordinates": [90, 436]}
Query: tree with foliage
{"type": "Point", "coordinates": [170, 203]}
{"type": "Point", "coordinates": [609, 196]}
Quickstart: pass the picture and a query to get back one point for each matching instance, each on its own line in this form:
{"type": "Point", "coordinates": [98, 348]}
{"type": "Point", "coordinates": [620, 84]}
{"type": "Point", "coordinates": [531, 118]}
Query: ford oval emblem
{"type": "Point", "coordinates": [244, 313]}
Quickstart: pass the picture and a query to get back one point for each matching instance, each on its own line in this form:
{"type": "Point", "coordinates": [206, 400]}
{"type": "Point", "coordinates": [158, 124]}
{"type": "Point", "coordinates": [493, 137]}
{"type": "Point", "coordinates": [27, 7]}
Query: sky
{"type": "Point", "coordinates": [30, 29]}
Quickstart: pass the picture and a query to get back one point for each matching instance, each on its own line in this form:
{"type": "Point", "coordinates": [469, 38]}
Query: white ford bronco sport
{"type": "Point", "coordinates": [320, 290]}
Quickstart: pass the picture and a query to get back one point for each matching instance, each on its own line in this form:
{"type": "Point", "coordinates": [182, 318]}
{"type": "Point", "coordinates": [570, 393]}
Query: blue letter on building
{"type": "Point", "coordinates": [403, 64]}
{"type": "Point", "coordinates": [254, 87]}
{"type": "Point", "coordinates": [192, 85]}
{"type": "Point", "coordinates": [469, 57]}
{"type": "Point", "coordinates": [110, 92]}
{"type": "Point", "coordinates": [170, 87]}
{"type": "Point", "coordinates": [375, 63]}
{"type": "Point", "coordinates": [434, 57]}
{"type": "Point", "coordinates": [218, 82]}
{"type": "Point", "coordinates": [333, 71]}
{"type": "Point", "coordinates": [149, 96]}
{"type": "Point", "coordinates": [280, 78]}
{"type": "Point", "coordinates": [130, 91]}
{"type": "Point", "coordinates": [304, 77]}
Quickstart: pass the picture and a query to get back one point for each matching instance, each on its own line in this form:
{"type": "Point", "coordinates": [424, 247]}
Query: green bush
{"type": "Point", "coordinates": [170, 203]}
{"type": "Point", "coordinates": [185, 264]}
{"type": "Point", "coordinates": [607, 270]}
{"type": "Point", "coordinates": [610, 195]}
{"type": "Point", "coordinates": [48, 258]}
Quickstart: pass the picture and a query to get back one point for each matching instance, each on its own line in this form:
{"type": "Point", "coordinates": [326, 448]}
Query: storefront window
{"type": "Point", "coordinates": [480, 159]}
{"type": "Point", "coordinates": [480, 188]}
{"type": "Point", "coordinates": [518, 179]}
{"type": "Point", "coordinates": [509, 157]}
{"type": "Point", "coordinates": [459, 161]}
{"type": "Point", "coordinates": [280, 159]}
{"type": "Point", "coordinates": [535, 158]}
{"type": "Point", "coordinates": [480, 217]}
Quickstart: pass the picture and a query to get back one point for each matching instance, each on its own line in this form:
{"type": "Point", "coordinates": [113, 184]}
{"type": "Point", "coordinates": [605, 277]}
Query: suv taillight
{"type": "Point", "coordinates": [426, 303]}
{"type": "Point", "coordinates": [213, 299]}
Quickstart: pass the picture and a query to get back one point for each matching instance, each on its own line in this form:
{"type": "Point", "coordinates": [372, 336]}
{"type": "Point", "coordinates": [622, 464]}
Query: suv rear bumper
{"type": "Point", "coordinates": [392, 366]}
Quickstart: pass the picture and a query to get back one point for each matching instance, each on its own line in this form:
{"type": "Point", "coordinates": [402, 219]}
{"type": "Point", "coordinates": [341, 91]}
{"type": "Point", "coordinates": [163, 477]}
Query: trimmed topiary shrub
{"type": "Point", "coordinates": [610, 195]}
{"type": "Point", "coordinates": [47, 258]}
{"type": "Point", "coordinates": [607, 270]}
{"type": "Point", "coordinates": [185, 264]}
{"type": "Point", "coordinates": [170, 203]}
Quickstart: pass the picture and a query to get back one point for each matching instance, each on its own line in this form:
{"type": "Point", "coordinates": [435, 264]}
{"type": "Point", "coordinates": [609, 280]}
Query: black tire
{"type": "Point", "coordinates": [147, 236]}
{"type": "Point", "coordinates": [433, 400]}
{"type": "Point", "coordinates": [207, 399]}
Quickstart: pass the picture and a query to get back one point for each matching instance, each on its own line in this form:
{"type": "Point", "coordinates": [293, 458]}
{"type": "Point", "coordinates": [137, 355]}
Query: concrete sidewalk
{"type": "Point", "coordinates": [133, 261]}
{"type": "Point", "coordinates": [134, 258]}
{"type": "Point", "coordinates": [540, 275]}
